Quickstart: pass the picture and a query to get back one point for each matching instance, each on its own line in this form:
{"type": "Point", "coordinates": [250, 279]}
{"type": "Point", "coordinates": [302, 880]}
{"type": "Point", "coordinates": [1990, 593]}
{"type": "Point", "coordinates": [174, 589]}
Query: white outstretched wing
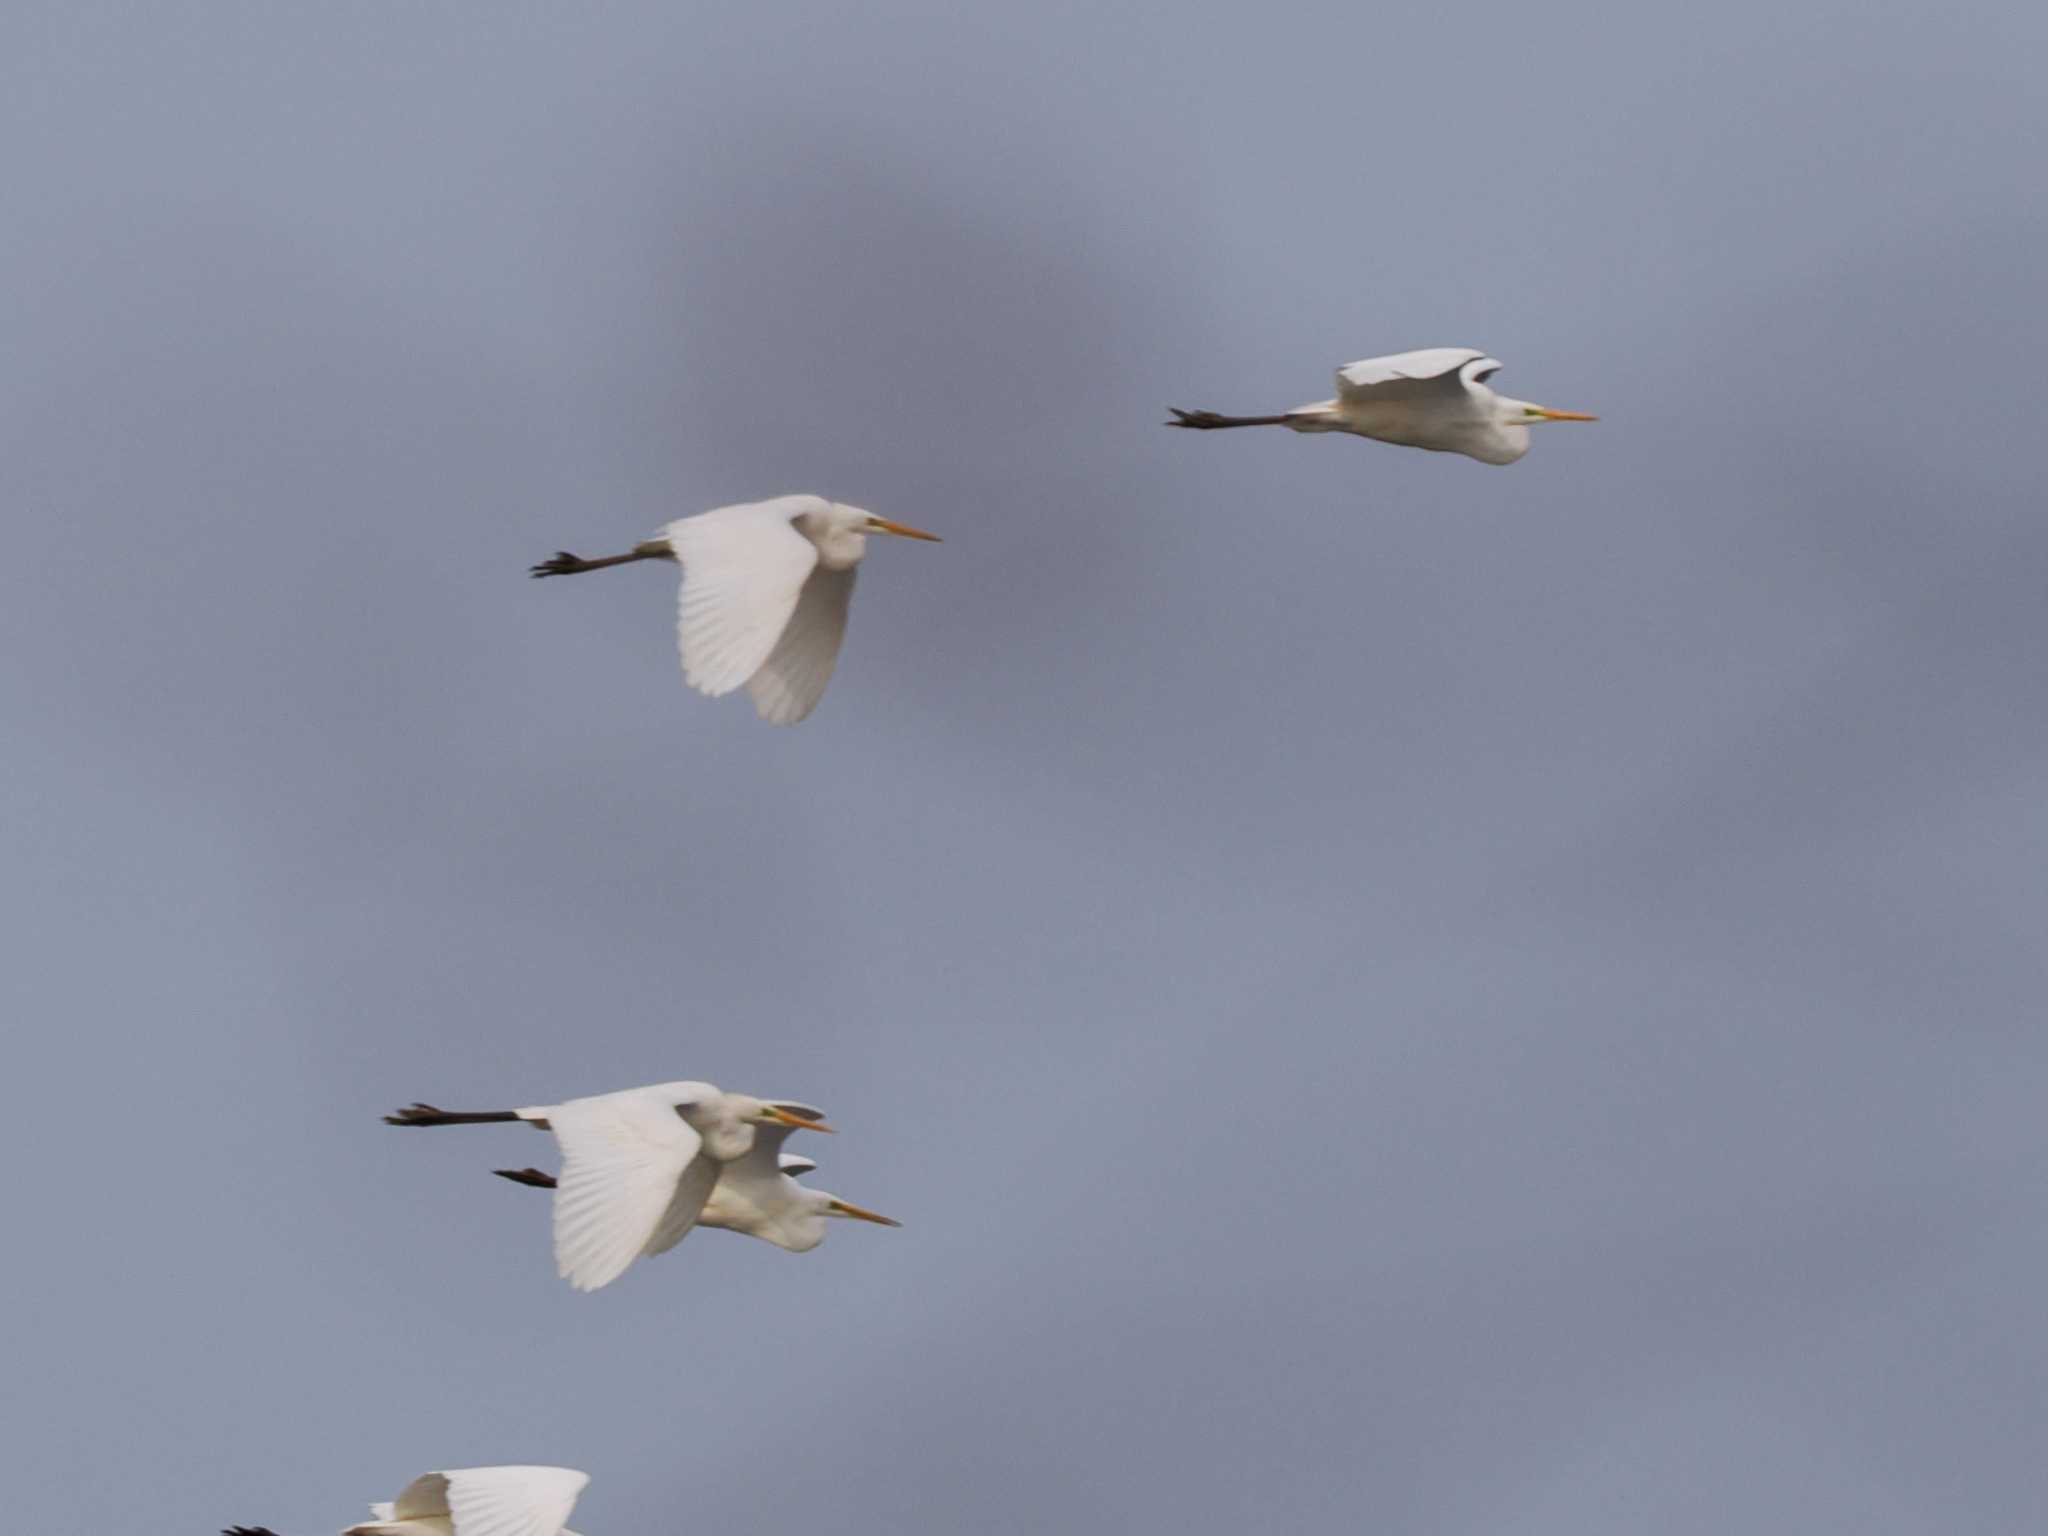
{"type": "Point", "coordinates": [513, 1501]}
{"type": "Point", "coordinates": [793, 678]}
{"type": "Point", "coordinates": [424, 1497]}
{"type": "Point", "coordinates": [744, 568]}
{"type": "Point", "coordinates": [792, 1165]}
{"type": "Point", "coordinates": [1406, 374]}
{"type": "Point", "coordinates": [685, 1206]}
{"type": "Point", "coordinates": [420, 1510]}
{"type": "Point", "coordinates": [480, 1501]}
{"type": "Point", "coordinates": [623, 1160]}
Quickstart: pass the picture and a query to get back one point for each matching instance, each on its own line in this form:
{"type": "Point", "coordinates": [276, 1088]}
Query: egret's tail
{"type": "Point", "coordinates": [1208, 421]}
{"type": "Point", "coordinates": [426, 1114]}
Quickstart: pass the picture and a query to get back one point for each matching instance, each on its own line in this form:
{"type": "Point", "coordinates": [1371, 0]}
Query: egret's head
{"type": "Point", "coordinates": [803, 1228]}
{"type": "Point", "coordinates": [798, 1222]}
{"type": "Point", "coordinates": [798, 1117]}
{"type": "Point", "coordinates": [841, 533]}
{"type": "Point", "coordinates": [713, 1115]}
{"type": "Point", "coordinates": [726, 1121]}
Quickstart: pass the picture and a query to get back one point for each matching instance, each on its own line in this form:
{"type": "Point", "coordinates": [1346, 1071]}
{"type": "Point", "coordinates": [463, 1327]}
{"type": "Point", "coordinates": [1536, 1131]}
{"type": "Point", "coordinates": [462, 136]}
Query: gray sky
{"type": "Point", "coordinates": [1390, 994]}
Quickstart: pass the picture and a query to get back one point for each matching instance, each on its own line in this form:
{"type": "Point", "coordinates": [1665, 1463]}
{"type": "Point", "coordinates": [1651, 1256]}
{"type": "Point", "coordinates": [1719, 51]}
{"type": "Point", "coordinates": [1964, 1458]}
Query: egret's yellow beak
{"type": "Point", "coordinates": [901, 530]}
{"type": "Point", "coordinates": [784, 1117]}
{"type": "Point", "coordinates": [845, 1208]}
{"type": "Point", "coordinates": [1550, 415]}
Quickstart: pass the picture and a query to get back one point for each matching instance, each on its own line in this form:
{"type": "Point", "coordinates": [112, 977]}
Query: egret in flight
{"type": "Point", "coordinates": [1435, 399]}
{"type": "Point", "coordinates": [765, 592]}
{"type": "Point", "coordinates": [758, 1195]}
{"type": "Point", "coordinates": [637, 1166]}
{"type": "Point", "coordinates": [471, 1501]}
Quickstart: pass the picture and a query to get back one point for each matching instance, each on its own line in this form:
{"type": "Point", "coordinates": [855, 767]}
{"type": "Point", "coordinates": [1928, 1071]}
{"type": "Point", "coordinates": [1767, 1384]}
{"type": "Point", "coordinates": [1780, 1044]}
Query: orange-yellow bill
{"type": "Point", "coordinates": [786, 1118]}
{"type": "Point", "coordinates": [1549, 415]}
{"type": "Point", "coordinates": [846, 1208]}
{"type": "Point", "coordinates": [902, 530]}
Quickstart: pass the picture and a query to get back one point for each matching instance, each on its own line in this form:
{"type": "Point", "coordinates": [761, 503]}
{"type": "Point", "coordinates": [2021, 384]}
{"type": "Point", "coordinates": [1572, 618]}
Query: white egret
{"type": "Point", "coordinates": [758, 1195]}
{"type": "Point", "coordinates": [471, 1501]}
{"type": "Point", "coordinates": [766, 587]}
{"type": "Point", "coordinates": [637, 1166]}
{"type": "Point", "coordinates": [1436, 399]}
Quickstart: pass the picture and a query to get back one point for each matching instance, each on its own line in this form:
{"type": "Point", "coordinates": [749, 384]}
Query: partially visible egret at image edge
{"type": "Point", "coordinates": [471, 1501]}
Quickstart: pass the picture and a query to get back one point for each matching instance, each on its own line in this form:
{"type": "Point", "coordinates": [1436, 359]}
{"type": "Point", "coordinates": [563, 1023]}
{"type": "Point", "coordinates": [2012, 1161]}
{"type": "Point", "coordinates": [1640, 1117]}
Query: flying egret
{"type": "Point", "coordinates": [637, 1166]}
{"type": "Point", "coordinates": [1436, 399]}
{"type": "Point", "coordinates": [765, 592]}
{"type": "Point", "coordinates": [471, 1501]}
{"type": "Point", "coordinates": [758, 1195]}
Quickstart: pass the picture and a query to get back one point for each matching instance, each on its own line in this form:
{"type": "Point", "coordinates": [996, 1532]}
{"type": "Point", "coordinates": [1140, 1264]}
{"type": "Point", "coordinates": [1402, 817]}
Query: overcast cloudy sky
{"type": "Point", "coordinates": [1390, 995]}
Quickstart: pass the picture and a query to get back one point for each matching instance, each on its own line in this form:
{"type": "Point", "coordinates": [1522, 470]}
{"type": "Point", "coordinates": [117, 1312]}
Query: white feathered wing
{"type": "Point", "coordinates": [480, 1501]}
{"type": "Point", "coordinates": [628, 1172]}
{"type": "Point", "coordinates": [1403, 375]}
{"type": "Point", "coordinates": [744, 569]}
{"type": "Point", "coordinates": [793, 678]}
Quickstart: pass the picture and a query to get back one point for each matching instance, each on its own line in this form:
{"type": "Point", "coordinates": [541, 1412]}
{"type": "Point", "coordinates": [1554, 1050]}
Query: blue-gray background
{"type": "Point", "coordinates": [1389, 993]}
